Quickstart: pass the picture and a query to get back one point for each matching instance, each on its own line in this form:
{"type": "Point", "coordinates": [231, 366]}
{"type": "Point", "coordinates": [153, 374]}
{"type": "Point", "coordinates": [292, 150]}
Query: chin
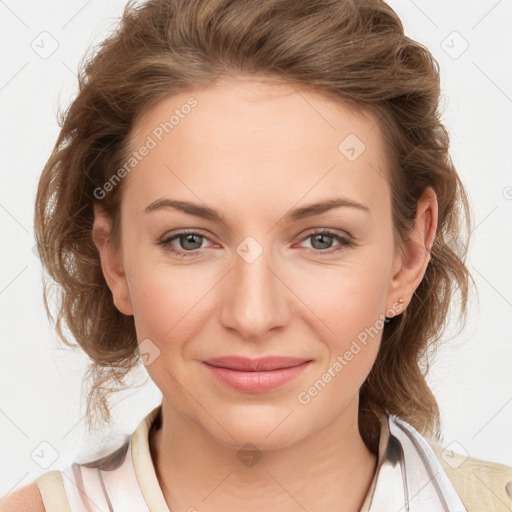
{"type": "Point", "coordinates": [272, 433]}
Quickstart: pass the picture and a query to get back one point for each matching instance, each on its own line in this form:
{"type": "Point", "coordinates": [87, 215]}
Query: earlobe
{"type": "Point", "coordinates": [416, 253]}
{"type": "Point", "coordinates": [111, 261]}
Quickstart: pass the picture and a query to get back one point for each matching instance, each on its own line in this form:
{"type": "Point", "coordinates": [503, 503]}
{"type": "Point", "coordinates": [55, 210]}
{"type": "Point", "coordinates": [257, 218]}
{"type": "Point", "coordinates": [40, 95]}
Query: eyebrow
{"type": "Point", "coordinates": [293, 215]}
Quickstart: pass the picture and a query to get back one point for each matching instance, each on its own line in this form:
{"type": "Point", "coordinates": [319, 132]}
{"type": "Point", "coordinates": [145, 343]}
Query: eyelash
{"type": "Point", "coordinates": [345, 243]}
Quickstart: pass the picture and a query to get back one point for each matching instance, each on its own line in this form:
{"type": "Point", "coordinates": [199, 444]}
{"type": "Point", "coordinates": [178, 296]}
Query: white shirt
{"type": "Point", "coordinates": [409, 477]}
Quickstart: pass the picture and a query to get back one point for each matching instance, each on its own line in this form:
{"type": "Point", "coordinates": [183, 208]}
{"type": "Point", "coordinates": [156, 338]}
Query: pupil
{"type": "Point", "coordinates": [324, 243]}
{"type": "Point", "coordinates": [190, 238]}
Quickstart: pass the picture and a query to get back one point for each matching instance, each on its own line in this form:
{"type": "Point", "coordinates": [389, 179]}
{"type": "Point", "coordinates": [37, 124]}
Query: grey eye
{"type": "Point", "coordinates": [324, 240]}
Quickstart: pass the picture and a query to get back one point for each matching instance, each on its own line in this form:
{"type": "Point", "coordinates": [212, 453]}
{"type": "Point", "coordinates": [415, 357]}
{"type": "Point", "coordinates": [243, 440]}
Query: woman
{"type": "Point", "coordinates": [256, 201]}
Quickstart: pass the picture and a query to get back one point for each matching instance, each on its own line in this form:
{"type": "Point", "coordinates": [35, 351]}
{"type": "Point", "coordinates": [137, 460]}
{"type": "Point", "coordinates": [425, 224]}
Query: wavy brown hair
{"type": "Point", "coordinates": [353, 51]}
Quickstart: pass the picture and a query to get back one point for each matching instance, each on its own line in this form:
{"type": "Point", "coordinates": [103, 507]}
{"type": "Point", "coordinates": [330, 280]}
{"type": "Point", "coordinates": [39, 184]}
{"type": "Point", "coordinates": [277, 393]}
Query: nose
{"type": "Point", "coordinates": [256, 298]}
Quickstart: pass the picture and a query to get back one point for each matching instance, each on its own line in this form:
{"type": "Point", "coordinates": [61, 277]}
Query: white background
{"type": "Point", "coordinates": [40, 383]}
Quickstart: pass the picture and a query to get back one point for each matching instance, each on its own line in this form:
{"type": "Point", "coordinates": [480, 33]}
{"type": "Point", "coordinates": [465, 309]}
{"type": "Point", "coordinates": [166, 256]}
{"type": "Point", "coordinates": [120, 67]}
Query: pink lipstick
{"type": "Point", "coordinates": [256, 375]}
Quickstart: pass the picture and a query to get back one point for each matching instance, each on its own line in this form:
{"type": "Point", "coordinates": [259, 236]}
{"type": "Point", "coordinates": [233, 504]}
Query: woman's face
{"type": "Point", "coordinates": [259, 282]}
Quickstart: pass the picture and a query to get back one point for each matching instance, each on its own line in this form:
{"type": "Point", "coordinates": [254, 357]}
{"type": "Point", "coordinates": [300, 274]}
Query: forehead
{"type": "Point", "coordinates": [255, 142]}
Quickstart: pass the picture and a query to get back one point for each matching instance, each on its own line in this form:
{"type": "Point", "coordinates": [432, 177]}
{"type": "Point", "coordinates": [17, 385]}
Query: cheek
{"type": "Point", "coordinates": [166, 299]}
{"type": "Point", "coordinates": [164, 313]}
{"type": "Point", "coordinates": [348, 297]}
{"type": "Point", "coordinates": [344, 308]}
{"type": "Point", "coordinates": [349, 324]}
{"type": "Point", "coordinates": [158, 304]}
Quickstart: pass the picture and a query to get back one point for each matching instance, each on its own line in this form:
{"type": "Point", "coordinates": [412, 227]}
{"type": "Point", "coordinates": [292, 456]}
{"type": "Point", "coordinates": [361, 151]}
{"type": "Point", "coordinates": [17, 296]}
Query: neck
{"type": "Point", "coordinates": [332, 468]}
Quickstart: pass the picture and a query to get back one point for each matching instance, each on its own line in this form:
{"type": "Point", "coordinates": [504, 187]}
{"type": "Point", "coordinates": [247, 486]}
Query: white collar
{"type": "Point", "coordinates": [408, 478]}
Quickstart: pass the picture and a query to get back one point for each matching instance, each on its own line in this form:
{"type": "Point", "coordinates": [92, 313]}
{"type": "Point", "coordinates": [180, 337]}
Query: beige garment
{"type": "Point", "coordinates": [481, 485]}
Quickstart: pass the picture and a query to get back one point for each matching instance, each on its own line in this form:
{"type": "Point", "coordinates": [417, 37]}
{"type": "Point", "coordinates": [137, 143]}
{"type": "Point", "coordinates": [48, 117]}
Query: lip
{"type": "Point", "coordinates": [247, 364]}
{"type": "Point", "coordinates": [256, 375]}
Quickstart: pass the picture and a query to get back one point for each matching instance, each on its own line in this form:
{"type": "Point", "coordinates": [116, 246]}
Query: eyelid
{"type": "Point", "coordinates": [304, 234]}
{"type": "Point", "coordinates": [186, 231]}
{"type": "Point", "coordinates": [317, 230]}
{"type": "Point", "coordinates": [345, 241]}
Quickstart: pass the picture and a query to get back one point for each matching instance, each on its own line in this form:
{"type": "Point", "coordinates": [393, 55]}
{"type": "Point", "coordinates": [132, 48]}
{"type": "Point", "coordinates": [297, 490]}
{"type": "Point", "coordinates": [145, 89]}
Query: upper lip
{"type": "Point", "coordinates": [254, 365]}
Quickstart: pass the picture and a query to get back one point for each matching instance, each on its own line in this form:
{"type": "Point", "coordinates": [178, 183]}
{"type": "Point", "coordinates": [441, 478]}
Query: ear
{"type": "Point", "coordinates": [111, 261]}
{"type": "Point", "coordinates": [411, 263]}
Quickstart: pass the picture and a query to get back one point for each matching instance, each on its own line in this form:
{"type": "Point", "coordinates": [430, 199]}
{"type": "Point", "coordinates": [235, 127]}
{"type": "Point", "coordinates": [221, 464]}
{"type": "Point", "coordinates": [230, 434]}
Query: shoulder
{"type": "Point", "coordinates": [27, 498]}
{"type": "Point", "coordinates": [481, 484]}
{"type": "Point", "coordinates": [45, 494]}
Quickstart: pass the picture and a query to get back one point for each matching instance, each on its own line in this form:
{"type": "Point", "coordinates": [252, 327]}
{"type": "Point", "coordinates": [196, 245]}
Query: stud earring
{"type": "Point", "coordinates": [388, 318]}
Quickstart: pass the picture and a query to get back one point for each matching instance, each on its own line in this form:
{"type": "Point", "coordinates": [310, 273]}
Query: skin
{"type": "Point", "coordinates": [253, 151]}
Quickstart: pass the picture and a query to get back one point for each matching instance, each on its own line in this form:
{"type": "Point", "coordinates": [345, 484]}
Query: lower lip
{"type": "Point", "coordinates": [257, 382]}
